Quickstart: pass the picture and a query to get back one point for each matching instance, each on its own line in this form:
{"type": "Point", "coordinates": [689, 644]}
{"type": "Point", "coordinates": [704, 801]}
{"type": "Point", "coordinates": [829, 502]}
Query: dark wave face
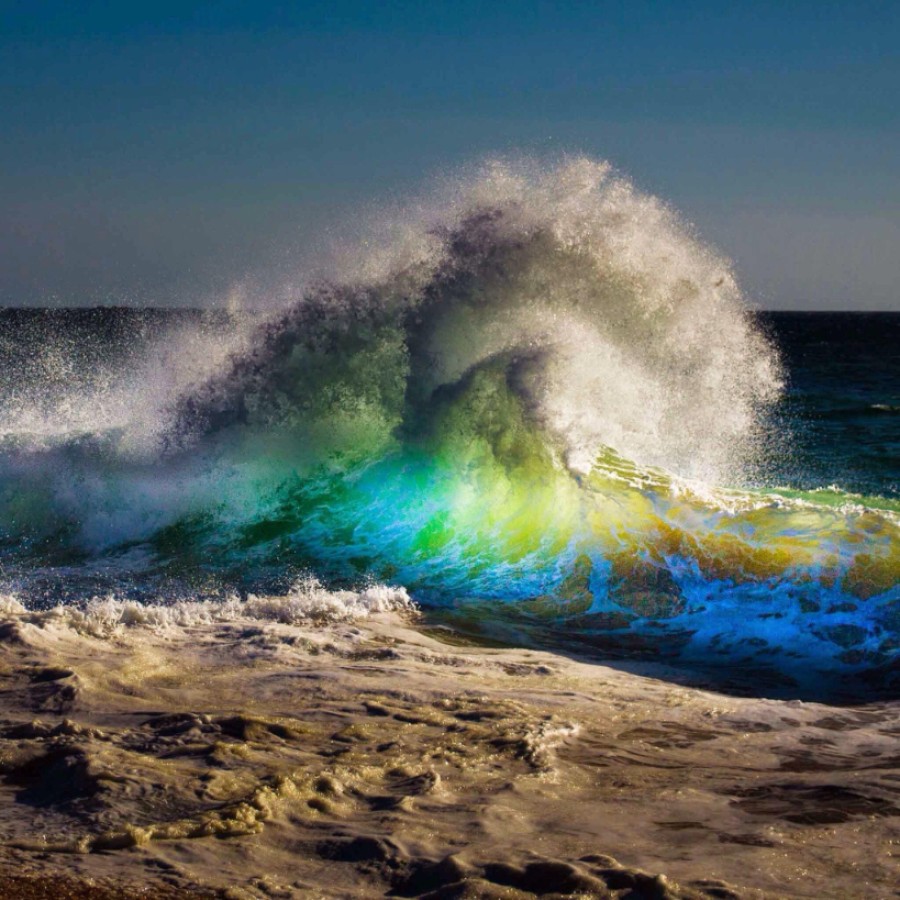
{"type": "Point", "coordinates": [542, 408]}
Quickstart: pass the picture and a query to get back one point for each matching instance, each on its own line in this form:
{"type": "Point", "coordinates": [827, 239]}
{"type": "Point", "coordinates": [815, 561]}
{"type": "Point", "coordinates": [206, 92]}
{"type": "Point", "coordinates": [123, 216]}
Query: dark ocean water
{"type": "Point", "coordinates": [842, 404]}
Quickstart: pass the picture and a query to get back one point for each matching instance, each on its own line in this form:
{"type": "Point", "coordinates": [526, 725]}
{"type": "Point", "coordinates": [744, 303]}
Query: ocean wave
{"type": "Point", "coordinates": [535, 388]}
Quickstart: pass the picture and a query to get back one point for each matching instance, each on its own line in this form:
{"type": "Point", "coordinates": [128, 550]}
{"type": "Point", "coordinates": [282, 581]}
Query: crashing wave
{"type": "Point", "coordinates": [537, 386]}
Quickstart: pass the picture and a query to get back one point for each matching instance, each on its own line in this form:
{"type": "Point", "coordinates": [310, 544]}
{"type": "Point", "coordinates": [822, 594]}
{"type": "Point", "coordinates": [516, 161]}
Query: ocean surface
{"type": "Point", "coordinates": [541, 405]}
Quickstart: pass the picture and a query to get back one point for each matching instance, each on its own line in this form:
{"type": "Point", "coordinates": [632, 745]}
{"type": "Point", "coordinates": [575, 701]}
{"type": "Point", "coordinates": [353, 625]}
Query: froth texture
{"type": "Point", "coordinates": [613, 324]}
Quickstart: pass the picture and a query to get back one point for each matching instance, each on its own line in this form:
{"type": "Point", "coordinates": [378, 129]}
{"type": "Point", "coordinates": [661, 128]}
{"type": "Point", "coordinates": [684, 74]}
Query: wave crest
{"type": "Point", "coordinates": [616, 326]}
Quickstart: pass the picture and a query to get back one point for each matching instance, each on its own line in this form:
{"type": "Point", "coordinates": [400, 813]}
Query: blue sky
{"type": "Point", "coordinates": [152, 153]}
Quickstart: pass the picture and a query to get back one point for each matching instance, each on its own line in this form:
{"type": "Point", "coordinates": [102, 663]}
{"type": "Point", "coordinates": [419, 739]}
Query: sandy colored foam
{"type": "Point", "coordinates": [259, 755]}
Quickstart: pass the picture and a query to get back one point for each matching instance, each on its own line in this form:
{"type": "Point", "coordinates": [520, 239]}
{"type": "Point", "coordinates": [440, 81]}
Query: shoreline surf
{"type": "Point", "coordinates": [350, 754]}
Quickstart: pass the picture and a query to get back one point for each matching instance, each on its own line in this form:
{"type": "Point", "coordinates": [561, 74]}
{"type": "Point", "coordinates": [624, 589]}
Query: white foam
{"type": "Point", "coordinates": [307, 601]}
{"type": "Point", "coordinates": [642, 329]}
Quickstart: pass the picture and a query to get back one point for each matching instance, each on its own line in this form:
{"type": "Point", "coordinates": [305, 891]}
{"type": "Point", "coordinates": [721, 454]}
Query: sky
{"type": "Point", "coordinates": [157, 153]}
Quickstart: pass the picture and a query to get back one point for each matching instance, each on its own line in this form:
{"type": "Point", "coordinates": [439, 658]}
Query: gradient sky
{"type": "Point", "coordinates": [153, 153]}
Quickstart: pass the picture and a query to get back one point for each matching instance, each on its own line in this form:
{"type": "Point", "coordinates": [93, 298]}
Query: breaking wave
{"type": "Point", "coordinates": [535, 391]}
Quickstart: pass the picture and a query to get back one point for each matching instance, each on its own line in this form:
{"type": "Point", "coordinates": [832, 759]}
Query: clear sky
{"type": "Point", "coordinates": [151, 153]}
